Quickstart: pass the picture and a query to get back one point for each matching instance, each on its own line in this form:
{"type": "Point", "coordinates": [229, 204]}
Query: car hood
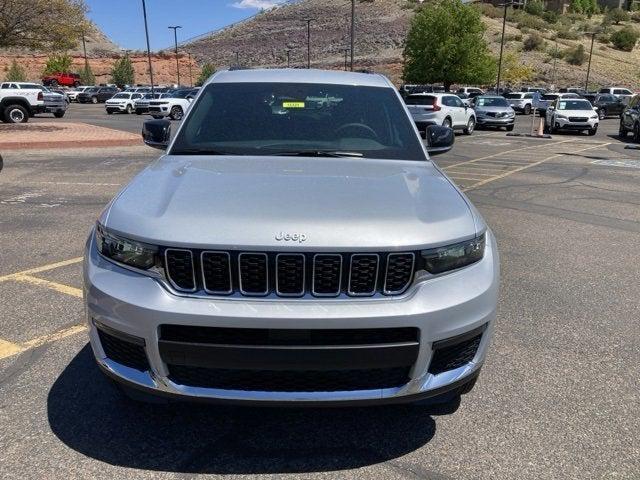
{"type": "Point", "coordinates": [246, 202]}
{"type": "Point", "coordinates": [576, 113]}
{"type": "Point", "coordinates": [493, 109]}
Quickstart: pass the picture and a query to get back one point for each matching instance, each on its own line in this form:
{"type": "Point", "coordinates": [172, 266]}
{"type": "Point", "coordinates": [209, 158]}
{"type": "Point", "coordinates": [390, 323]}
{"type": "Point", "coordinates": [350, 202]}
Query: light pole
{"type": "Point", "coordinates": [190, 72]}
{"type": "Point", "coordinates": [504, 24]}
{"type": "Point", "coordinates": [288, 57]}
{"type": "Point", "coordinates": [586, 83]}
{"type": "Point", "coordinates": [175, 40]}
{"type": "Point", "coordinates": [555, 60]}
{"type": "Point", "coordinates": [353, 29]}
{"type": "Point", "coordinates": [237, 58]}
{"type": "Point", "coordinates": [86, 61]}
{"type": "Point", "coordinates": [309, 20]}
{"type": "Point", "coordinates": [146, 31]}
{"type": "Point", "coordinates": [345, 50]}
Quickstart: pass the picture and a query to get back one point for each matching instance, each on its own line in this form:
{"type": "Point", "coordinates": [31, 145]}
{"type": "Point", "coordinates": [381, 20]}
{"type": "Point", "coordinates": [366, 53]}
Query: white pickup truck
{"type": "Point", "coordinates": [17, 105]}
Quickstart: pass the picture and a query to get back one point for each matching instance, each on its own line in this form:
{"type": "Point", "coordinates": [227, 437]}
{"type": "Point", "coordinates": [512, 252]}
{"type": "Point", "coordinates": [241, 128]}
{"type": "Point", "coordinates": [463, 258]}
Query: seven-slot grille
{"type": "Point", "coordinates": [289, 274]}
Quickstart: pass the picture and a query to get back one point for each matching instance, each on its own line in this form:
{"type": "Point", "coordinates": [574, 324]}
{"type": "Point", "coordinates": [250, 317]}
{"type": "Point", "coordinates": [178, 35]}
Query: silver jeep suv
{"type": "Point", "coordinates": [295, 245]}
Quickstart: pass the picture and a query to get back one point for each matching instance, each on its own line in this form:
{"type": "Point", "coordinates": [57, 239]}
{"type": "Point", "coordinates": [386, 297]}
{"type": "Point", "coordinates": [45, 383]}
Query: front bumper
{"type": "Point", "coordinates": [495, 122]}
{"type": "Point", "coordinates": [440, 308]}
{"type": "Point", "coordinates": [566, 124]}
{"type": "Point", "coordinates": [115, 107]}
{"type": "Point", "coordinates": [159, 111]}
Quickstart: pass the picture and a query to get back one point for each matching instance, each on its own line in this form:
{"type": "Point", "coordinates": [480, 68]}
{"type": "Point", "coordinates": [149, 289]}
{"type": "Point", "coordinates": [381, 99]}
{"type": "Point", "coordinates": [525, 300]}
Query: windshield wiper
{"type": "Point", "coordinates": [202, 151]}
{"type": "Point", "coordinates": [316, 153]}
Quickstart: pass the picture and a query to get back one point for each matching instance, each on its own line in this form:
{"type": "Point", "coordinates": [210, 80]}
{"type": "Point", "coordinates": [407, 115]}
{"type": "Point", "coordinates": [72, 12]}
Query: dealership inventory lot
{"type": "Point", "coordinates": [558, 397]}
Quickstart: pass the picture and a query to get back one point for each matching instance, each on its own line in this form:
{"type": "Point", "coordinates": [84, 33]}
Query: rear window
{"type": "Point", "coordinates": [294, 119]}
{"type": "Point", "coordinates": [513, 96]}
{"type": "Point", "coordinates": [550, 96]}
{"type": "Point", "coordinates": [420, 100]}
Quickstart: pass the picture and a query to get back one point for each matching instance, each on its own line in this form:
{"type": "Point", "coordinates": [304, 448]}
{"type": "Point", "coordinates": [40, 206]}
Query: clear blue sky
{"type": "Point", "coordinates": [122, 20]}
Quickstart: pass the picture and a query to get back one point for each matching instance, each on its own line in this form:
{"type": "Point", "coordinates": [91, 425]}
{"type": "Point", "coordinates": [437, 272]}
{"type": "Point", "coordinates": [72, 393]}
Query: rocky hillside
{"type": "Point", "coordinates": [264, 39]}
{"type": "Point", "coordinates": [381, 29]}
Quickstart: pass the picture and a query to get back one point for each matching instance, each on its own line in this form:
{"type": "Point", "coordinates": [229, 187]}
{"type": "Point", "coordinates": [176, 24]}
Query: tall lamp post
{"type": "Point", "coordinates": [353, 30]}
{"type": "Point", "coordinates": [190, 71]}
{"type": "Point", "coordinates": [345, 50]}
{"type": "Point", "coordinates": [288, 50]}
{"type": "Point", "coordinates": [175, 41]}
{"type": "Point", "coordinates": [146, 31]}
{"type": "Point", "coordinates": [504, 24]}
{"type": "Point", "coordinates": [86, 60]}
{"type": "Point", "coordinates": [586, 83]}
{"type": "Point", "coordinates": [309, 20]}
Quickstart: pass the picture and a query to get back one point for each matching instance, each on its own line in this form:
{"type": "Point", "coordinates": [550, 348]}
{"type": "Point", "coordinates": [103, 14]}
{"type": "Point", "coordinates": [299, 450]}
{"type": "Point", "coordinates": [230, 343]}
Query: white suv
{"type": "Point", "coordinates": [122, 102]}
{"type": "Point", "coordinates": [520, 101]}
{"type": "Point", "coordinates": [444, 109]}
{"type": "Point", "coordinates": [622, 93]}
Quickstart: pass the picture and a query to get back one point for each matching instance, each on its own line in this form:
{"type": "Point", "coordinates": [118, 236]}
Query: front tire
{"type": "Point", "coordinates": [176, 113]}
{"type": "Point", "coordinates": [509, 128]}
{"type": "Point", "coordinates": [527, 109]}
{"type": "Point", "coordinates": [129, 110]}
{"type": "Point", "coordinates": [471, 125]}
{"type": "Point", "coordinates": [16, 114]}
{"type": "Point", "coordinates": [636, 132]}
{"type": "Point", "coordinates": [59, 114]}
{"type": "Point", "coordinates": [622, 131]}
{"type": "Point", "coordinates": [446, 122]}
{"type": "Point", "coordinates": [592, 131]}
{"type": "Point", "coordinates": [94, 100]}
{"type": "Point", "coordinates": [602, 114]}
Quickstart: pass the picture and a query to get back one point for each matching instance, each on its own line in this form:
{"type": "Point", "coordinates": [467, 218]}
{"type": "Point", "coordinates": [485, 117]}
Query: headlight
{"type": "Point", "coordinates": [125, 251]}
{"type": "Point", "coordinates": [442, 259]}
{"type": "Point", "coordinates": [564, 117]}
{"type": "Point", "coordinates": [511, 114]}
{"type": "Point", "coordinates": [593, 117]}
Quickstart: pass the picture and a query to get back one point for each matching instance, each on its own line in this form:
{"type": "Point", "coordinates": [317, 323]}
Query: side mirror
{"type": "Point", "coordinates": [157, 133]}
{"type": "Point", "coordinates": [439, 139]}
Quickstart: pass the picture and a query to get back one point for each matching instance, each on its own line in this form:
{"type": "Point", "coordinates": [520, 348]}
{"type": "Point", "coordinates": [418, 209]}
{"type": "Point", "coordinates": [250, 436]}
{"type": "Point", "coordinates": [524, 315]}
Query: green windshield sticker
{"type": "Point", "coordinates": [562, 106]}
{"type": "Point", "coordinates": [292, 104]}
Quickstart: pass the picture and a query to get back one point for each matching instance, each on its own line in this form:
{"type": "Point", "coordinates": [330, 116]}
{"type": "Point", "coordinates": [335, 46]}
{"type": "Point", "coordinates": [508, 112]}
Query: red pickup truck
{"type": "Point", "coordinates": [62, 79]}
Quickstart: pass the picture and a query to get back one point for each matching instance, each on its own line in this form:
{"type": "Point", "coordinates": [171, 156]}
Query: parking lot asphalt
{"type": "Point", "coordinates": [557, 398]}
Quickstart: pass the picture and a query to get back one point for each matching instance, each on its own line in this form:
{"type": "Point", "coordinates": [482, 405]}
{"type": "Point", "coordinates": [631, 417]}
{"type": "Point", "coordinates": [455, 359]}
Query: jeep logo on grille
{"type": "Point", "coordinates": [291, 237]}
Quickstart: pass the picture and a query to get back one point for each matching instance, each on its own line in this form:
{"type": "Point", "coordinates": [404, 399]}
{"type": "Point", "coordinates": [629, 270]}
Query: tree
{"type": "Point", "coordinates": [625, 39]}
{"type": "Point", "coordinates": [575, 55]}
{"type": "Point", "coordinates": [54, 24]}
{"type": "Point", "coordinates": [514, 72]}
{"type": "Point", "coordinates": [123, 73]}
{"type": "Point", "coordinates": [616, 15]}
{"type": "Point", "coordinates": [58, 63]}
{"type": "Point", "coordinates": [15, 73]}
{"type": "Point", "coordinates": [445, 44]}
{"type": "Point", "coordinates": [534, 7]}
{"type": "Point", "coordinates": [86, 75]}
{"type": "Point", "coordinates": [208, 69]}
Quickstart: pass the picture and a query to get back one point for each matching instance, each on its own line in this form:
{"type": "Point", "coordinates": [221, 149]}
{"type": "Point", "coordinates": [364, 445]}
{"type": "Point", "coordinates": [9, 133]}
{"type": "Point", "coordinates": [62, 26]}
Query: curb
{"type": "Point", "coordinates": [70, 144]}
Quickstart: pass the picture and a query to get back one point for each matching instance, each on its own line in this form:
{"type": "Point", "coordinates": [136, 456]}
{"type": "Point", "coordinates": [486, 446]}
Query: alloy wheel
{"type": "Point", "coordinates": [16, 115]}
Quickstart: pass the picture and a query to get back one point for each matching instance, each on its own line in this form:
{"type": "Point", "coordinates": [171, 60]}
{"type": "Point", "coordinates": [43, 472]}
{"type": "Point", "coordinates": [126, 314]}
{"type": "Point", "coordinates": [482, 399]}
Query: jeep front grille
{"type": "Point", "coordinates": [289, 274]}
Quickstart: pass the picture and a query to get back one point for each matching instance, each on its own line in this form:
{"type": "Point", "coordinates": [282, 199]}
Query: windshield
{"type": "Point", "coordinates": [420, 100]}
{"type": "Point", "coordinates": [491, 102]}
{"type": "Point", "coordinates": [298, 119]}
{"type": "Point", "coordinates": [91, 90]}
{"type": "Point", "coordinates": [513, 95]}
{"type": "Point", "coordinates": [120, 95]}
{"type": "Point", "coordinates": [179, 94]}
{"type": "Point", "coordinates": [574, 105]}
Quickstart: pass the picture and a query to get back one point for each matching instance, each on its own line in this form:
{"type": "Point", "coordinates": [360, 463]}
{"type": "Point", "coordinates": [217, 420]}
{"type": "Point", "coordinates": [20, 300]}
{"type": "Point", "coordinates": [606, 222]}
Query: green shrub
{"type": "Point", "coordinates": [625, 38]}
{"type": "Point", "coordinates": [635, 16]}
{"type": "Point", "coordinates": [513, 37]}
{"type": "Point", "coordinates": [555, 52]}
{"type": "Point", "coordinates": [603, 37]}
{"type": "Point", "coordinates": [58, 64]}
{"type": "Point", "coordinates": [15, 73]}
{"type": "Point", "coordinates": [567, 34]}
{"type": "Point", "coordinates": [490, 11]}
{"type": "Point", "coordinates": [575, 55]}
{"type": "Point", "coordinates": [616, 15]}
{"type": "Point", "coordinates": [550, 16]}
{"type": "Point", "coordinates": [535, 7]}
{"type": "Point", "coordinates": [533, 42]}
{"type": "Point", "coordinates": [530, 21]}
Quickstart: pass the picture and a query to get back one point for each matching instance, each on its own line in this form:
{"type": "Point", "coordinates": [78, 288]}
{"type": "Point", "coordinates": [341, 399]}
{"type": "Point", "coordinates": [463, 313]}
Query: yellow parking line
{"type": "Point", "coordinates": [54, 337]}
{"type": "Point", "coordinates": [8, 349]}
{"type": "Point", "coordinates": [59, 287]}
{"type": "Point", "coordinates": [515, 170]}
{"type": "Point", "coordinates": [465, 178]}
{"type": "Point", "coordinates": [43, 268]}
{"type": "Point", "coordinates": [504, 153]}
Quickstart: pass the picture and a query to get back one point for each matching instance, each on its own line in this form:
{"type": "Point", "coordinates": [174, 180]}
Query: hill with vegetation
{"type": "Point", "coordinates": [538, 42]}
